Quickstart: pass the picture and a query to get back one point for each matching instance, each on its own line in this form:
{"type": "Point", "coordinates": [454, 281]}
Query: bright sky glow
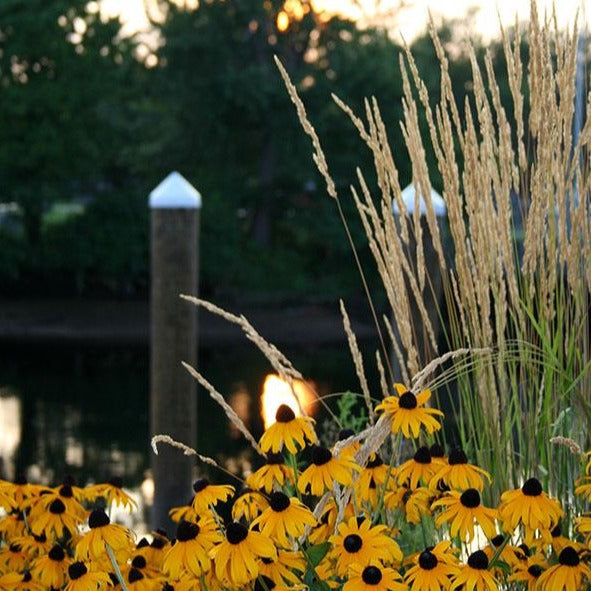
{"type": "Point", "coordinates": [410, 21]}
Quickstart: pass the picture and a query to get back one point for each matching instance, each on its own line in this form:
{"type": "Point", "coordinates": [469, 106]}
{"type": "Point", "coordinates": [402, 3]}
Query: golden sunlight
{"type": "Point", "coordinates": [300, 395]}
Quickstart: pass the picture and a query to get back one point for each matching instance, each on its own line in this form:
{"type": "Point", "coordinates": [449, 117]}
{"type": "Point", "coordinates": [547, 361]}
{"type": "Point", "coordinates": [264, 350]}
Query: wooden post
{"type": "Point", "coordinates": [175, 206]}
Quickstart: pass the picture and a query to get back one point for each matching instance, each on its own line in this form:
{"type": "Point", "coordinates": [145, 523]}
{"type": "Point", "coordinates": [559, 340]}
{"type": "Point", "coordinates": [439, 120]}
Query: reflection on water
{"type": "Point", "coordinates": [83, 410]}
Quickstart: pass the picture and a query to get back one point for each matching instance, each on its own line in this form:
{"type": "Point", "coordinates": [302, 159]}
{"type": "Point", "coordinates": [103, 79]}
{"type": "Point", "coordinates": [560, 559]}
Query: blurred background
{"type": "Point", "coordinates": [99, 101]}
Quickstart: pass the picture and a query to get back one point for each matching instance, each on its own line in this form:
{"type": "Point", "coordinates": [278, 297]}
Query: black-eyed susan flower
{"type": "Point", "coordinates": [325, 470]}
{"type": "Point", "coordinates": [156, 550]}
{"type": "Point", "coordinates": [275, 473]}
{"type": "Point", "coordinates": [12, 558]}
{"type": "Point", "coordinates": [208, 495]}
{"type": "Point", "coordinates": [284, 518]}
{"type": "Point", "coordinates": [34, 545]}
{"type": "Point", "coordinates": [284, 569]}
{"type": "Point", "coordinates": [235, 558]}
{"type": "Point", "coordinates": [459, 474]}
{"type": "Point", "coordinates": [583, 488]}
{"type": "Point", "coordinates": [583, 526]}
{"type": "Point", "coordinates": [64, 493]}
{"type": "Point", "coordinates": [558, 541]}
{"type": "Point", "coordinates": [348, 449]}
{"type": "Point", "coordinates": [184, 513]}
{"type": "Point", "coordinates": [248, 505]}
{"type": "Point", "coordinates": [371, 478]}
{"type": "Point", "coordinates": [15, 581]}
{"type": "Point", "coordinates": [408, 412]}
{"type": "Point", "coordinates": [511, 555]}
{"type": "Point", "coordinates": [531, 507]}
{"type": "Point", "coordinates": [83, 579]}
{"type": "Point", "coordinates": [356, 541]}
{"type": "Point", "coordinates": [474, 575]}
{"type": "Point", "coordinates": [137, 581]}
{"type": "Point", "coordinates": [113, 493]}
{"type": "Point", "coordinates": [463, 511]}
{"type": "Point", "coordinates": [54, 520]}
{"type": "Point", "coordinates": [93, 545]}
{"type": "Point", "coordinates": [288, 431]}
{"type": "Point", "coordinates": [51, 569]}
{"type": "Point", "coordinates": [13, 526]}
{"type": "Point", "coordinates": [528, 571]}
{"type": "Point", "coordinates": [412, 503]}
{"type": "Point", "coordinates": [419, 469]}
{"type": "Point", "coordinates": [191, 550]}
{"type": "Point", "coordinates": [567, 575]}
{"type": "Point", "coordinates": [429, 573]}
{"type": "Point", "coordinates": [374, 577]}
{"type": "Point", "coordinates": [327, 521]}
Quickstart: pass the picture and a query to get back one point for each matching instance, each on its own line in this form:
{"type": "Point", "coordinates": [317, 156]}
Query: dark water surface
{"type": "Point", "coordinates": [83, 409]}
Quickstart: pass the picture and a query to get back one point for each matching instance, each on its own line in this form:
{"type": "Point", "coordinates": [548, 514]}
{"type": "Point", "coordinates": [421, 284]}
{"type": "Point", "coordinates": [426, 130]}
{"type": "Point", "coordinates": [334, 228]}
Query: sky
{"type": "Point", "coordinates": [411, 21]}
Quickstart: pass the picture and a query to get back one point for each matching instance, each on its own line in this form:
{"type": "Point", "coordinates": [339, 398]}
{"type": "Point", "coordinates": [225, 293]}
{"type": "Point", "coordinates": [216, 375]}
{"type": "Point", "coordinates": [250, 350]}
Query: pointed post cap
{"type": "Point", "coordinates": [175, 192]}
{"type": "Point", "coordinates": [408, 196]}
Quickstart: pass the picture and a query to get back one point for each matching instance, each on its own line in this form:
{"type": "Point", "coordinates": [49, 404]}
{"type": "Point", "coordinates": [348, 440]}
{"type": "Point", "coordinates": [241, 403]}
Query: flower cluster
{"type": "Point", "coordinates": [310, 517]}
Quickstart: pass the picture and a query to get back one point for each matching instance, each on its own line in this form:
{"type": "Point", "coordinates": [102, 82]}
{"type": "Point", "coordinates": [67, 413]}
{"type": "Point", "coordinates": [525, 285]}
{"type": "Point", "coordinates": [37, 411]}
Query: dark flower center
{"type": "Point", "coordinates": [263, 583]}
{"type": "Point", "coordinates": [116, 481]}
{"type": "Point", "coordinates": [266, 560]}
{"type": "Point", "coordinates": [422, 455]}
{"type": "Point", "coordinates": [279, 501]}
{"type": "Point", "coordinates": [470, 498]}
{"type": "Point", "coordinates": [168, 587]}
{"type": "Point", "coordinates": [345, 434]}
{"type": "Point", "coordinates": [284, 414]}
{"type": "Point", "coordinates": [200, 484]}
{"type": "Point", "coordinates": [186, 531]}
{"type": "Point", "coordinates": [66, 491]}
{"type": "Point", "coordinates": [535, 570]}
{"type": "Point", "coordinates": [27, 577]}
{"type": "Point", "coordinates": [371, 575]}
{"type": "Point", "coordinates": [139, 562]}
{"type": "Point", "coordinates": [142, 543]}
{"type": "Point", "coordinates": [321, 455]}
{"type": "Point", "coordinates": [525, 549]}
{"type": "Point", "coordinates": [162, 532]}
{"type": "Point", "coordinates": [375, 462]}
{"type": "Point", "coordinates": [57, 507]}
{"type": "Point", "coordinates": [498, 540]}
{"type": "Point", "coordinates": [457, 456]}
{"type": "Point", "coordinates": [98, 518]}
{"type": "Point", "coordinates": [407, 400]}
{"type": "Point", "coordinates": [134, 575]}
{"type": "Point", "coordinates": [77, 570]}
{"type": "Point", "coordinates": [436, 451]}
{"type": "Point", "coordinates": [275, 458]}
{"type": "Point", "coordinates": [41, 539]}
{"type": "Point", "coordinates": [569, 557]}
{"type": "Point", "coordinates": [532, 488]}
{"type": "Point", "coordinates": [478, 560]}
{"type": "Point", "coordinates": [427, 560]}
{"type": "Point", "coordinates": [57, 553]}
{"type": "Point", "coordinates": [158, 542]}
{"type": "Point", "coordinates": [14, 548]}
{"type": "Point", "coordinates": [236, 532]}
{"type": "Point", "coordinates": [556, 532]}
{"type": "Point", "coordinates": [352, 543]}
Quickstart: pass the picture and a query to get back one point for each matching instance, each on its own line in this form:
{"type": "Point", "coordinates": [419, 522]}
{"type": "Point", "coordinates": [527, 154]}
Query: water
{"type": "Point", "coordinates": [83, 410]}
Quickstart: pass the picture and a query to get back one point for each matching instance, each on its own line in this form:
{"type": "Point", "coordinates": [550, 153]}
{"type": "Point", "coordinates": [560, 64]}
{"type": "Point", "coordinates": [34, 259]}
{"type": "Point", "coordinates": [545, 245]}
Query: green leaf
{"type": "Point", "coordinates": [318, 552]}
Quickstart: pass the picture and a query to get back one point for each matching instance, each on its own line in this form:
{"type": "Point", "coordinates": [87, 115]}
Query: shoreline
{"type": "Point", "coordinates": [70, 321]}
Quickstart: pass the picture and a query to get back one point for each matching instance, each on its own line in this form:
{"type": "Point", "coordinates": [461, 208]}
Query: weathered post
{"type": "Point", "coordinates": [175, 206]}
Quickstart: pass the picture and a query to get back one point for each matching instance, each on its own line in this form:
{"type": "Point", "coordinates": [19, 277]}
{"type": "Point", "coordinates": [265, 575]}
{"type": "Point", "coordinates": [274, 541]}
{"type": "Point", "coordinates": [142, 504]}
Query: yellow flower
{"type": "Point", "coordinates": [137, 581]}
{"type": "Point", "coordinates": [584, 488]}
{"type": "Point", "coordinates": [273, 474]}
{"type": "Point", "coordinates": [191, 550]}
{"type": "Point", "coordinates": [464, 510]}
{"type": "Point", "coordinates": [413, 503]}
{"type": "Point", "coordinates": [372, 477]}
{"type": "Point", "coordinates": [373, 578]}
{"type": "Point", "coordinates": [287, 431]}
{"type": "Point", "coordinates": [92, 546]}
{"type": "Point", "coordinates": [81, 579]}
{"type": "Point", "coordinates": [529, 571]}
{"type": "Point", "coordinates": [408, 412]}
{"type": "Point", "coordinates": [112, 491]}
{"type": "Point", "coordinates": [474, 576]}
{"type": "Point", "coordinates": [207, 494]}
{"type": "Point", "coordinates": [235, 559]}
{"type": "Point", "coordinates": [15, 581]}
{"type": "Point", "coordinates": [430, 573]}
{"type": "Point", "coordinates": [281, 571]}
{"type": "Point", "coordinates": [12, 558]}
{"type": "Point", "coordinates": [51, 569]}
{"type": "Point", "coordinates": [284, 518]}
{"type": "Point", "coordinates": [325, 470]}
{"type": "Point", "coordinates": [248, 505]}
{"type": "Point", "coordinates": [327, 521]}
{"type": "Point", "coordinates": [420, 468]}
{"type": "Point", "coordinates": [531, 507]}
{"type": "Point", "coordinates": [459, 474]}
{"type": "Point", "coordinates": [567, 575]}
{"type": "Point", "coordinates": [349, 449]}
{"type": "Point", "coordinates": [357, 542]}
